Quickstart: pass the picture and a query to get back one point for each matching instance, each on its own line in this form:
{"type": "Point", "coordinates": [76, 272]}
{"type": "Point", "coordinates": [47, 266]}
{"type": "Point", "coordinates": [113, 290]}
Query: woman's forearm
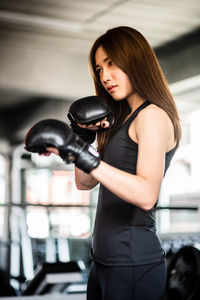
{"type": "Point", "coordinates": [84, 181]}
{"type": "Point", "coordinates": [134, 189]}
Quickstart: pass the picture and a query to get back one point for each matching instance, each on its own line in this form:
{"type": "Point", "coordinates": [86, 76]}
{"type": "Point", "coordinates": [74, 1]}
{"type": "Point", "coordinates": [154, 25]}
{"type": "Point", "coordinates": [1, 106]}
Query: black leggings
{"type": "Point", "coordinates": [145, 282]}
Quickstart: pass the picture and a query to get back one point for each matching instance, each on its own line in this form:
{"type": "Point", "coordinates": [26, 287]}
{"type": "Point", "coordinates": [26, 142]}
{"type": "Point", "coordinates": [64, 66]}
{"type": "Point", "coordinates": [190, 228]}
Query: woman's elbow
{"type": "Point", "coordinates": [149, 202]}
{"type": "Point", "coordinates": [147, 206]}
{"type": "Point", "coordinates": [82, 187]}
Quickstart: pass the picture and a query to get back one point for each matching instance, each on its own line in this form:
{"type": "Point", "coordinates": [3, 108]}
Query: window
{"type": "Point", "coordinates": [55, 206]}
{"type": "Point", "coordinates": [2, 193]}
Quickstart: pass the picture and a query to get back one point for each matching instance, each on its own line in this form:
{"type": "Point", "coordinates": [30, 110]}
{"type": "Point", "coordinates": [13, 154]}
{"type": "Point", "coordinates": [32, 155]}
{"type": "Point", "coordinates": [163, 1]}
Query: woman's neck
{"type": "Point", "coordinates": [135, 101]}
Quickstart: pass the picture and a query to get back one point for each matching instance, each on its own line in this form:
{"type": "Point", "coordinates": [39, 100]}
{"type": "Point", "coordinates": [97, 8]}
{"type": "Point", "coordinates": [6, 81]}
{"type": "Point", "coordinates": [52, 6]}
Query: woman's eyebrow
{"type": "Point", "coordinates": [105, 60]}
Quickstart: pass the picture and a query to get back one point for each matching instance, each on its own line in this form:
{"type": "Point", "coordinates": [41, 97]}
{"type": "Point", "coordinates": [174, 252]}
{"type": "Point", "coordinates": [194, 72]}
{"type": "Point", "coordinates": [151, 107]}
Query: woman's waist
{"type": "Point", "coordinates": [118, 232]}
{"type": "Point", "coordinates": [122, 215]}
{"type": "Point", "coordinates": [131, 244]}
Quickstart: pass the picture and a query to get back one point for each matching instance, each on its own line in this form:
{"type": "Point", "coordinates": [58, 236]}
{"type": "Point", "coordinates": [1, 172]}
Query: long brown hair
{"type": "Point", "coordinates": [131, 52]}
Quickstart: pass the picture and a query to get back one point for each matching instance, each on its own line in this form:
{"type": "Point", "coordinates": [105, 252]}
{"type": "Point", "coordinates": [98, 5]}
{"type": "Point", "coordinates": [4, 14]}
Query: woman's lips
{"type": "Point", "coordinates": [111, 88]}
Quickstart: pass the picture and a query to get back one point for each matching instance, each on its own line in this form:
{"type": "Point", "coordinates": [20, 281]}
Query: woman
{"type": "Point", "coordinates": [128, 261]}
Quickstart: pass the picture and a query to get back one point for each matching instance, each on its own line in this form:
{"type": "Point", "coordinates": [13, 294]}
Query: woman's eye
{"type": "Point", "coordinates": [110, 63]}
{"type": "Point", "coordinates": [98, 70]}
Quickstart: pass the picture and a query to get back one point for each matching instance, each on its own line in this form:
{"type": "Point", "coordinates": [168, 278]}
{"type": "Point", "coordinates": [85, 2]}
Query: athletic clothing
{"type": "Point", "coordinates": [124, 234]}
{"type": "Point", "coordinates": [145, 282]}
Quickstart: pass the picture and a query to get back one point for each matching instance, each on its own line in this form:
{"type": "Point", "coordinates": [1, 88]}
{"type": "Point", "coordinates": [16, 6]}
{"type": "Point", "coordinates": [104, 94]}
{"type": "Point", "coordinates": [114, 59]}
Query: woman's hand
{"type": "Point", "coordinates": [103, 123]}
{"type": "Point", "coordinates": [50, 150]}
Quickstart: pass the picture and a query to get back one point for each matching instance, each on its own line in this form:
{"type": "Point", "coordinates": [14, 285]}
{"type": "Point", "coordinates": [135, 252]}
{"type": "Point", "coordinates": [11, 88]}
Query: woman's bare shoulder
{"type": "Point", "coordinates": [154, 119]}
{"type": "Point", "coordinates": [153, 113]}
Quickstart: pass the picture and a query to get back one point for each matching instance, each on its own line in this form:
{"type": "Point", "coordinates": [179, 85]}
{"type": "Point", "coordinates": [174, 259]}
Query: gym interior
{"type": "Point", "coordinates": [46, 223]}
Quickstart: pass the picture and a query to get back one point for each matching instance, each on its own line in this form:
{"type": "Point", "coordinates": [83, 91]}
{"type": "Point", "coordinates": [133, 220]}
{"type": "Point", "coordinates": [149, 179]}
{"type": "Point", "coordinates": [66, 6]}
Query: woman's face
{"type": "Point", "coordinates": [113, 79]}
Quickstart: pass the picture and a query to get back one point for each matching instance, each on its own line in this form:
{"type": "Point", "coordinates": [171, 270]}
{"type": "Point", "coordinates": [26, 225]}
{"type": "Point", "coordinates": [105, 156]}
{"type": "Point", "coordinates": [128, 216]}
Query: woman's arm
{"type": "Point", "coordinates": [153, 129]}
{"type": "Point", "coordinates": [84, 181]}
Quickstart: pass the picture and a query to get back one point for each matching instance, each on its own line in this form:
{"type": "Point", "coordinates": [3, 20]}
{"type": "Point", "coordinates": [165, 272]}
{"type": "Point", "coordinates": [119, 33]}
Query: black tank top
{"type": "Point", "coordinates": [125, 234]}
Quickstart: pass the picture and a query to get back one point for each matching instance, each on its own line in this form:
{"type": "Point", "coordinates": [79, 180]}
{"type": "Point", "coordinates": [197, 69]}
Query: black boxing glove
{"type": "Point", "coordinates": [72, 149]}
{"type": "Point", "coordinates": [89, 110]}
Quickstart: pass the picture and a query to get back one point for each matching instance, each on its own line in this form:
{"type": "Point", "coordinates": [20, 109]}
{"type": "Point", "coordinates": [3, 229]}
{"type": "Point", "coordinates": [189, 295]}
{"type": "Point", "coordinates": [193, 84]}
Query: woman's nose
{"type": "Point", "coordinates": [106, 76]}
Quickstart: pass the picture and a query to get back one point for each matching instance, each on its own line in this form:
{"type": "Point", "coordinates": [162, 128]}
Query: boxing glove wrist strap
{"type": "Point", "coordinates": [85, 157]}
{"type": "Point", "coordinates": [86, 135]}
{"type": "Point", "coordinates": [88, 160]}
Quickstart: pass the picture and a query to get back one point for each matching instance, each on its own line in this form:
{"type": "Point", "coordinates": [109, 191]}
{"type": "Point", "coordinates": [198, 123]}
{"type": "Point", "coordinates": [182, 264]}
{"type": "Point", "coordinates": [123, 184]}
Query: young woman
{"type": "Point", "coordinates": [128, 261]}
